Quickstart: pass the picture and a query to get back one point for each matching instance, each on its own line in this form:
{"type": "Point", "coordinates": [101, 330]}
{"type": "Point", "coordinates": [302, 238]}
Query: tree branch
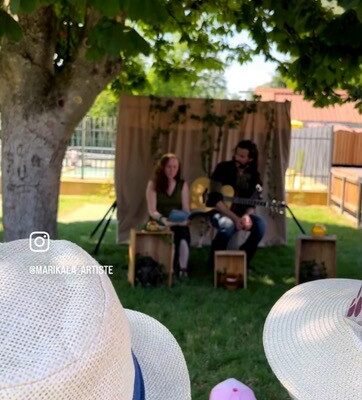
{"type": "Point", "coordinates": [27, 65]}
{"type": "Point", "coordinates": [76, 91]}
{"type": "Point", "coordinates": [2, 83]}
{"type": "Point", "coordinates": [78, 84]}
{"type": "Point", "coordinates": [38, 42]}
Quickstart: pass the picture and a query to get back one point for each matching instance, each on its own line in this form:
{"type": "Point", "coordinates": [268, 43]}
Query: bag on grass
{"type": "Point", "coordinates": [148, 271]}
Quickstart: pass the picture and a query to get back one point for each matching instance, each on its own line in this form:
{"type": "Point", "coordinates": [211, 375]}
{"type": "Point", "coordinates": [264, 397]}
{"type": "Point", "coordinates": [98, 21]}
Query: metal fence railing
{"type": "Point", "coordinates": [91, 151]}
{"type": "Point", "coordinates": [310, 158]}
{"type": "Point", "coordinates": [91, 154]}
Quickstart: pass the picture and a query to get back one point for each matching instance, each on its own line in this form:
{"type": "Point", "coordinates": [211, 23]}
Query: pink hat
{"type": "Point", "coordinates": [231, 389]}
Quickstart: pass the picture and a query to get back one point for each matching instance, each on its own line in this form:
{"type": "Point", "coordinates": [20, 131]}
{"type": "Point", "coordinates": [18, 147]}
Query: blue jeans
{"type": "Point", "coordinates": [226, 229]}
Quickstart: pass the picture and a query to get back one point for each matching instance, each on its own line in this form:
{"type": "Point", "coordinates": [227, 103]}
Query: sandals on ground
{"type": "Point", "coordinates": [183, 273]}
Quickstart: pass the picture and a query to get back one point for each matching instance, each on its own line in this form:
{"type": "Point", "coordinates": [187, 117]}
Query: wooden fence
{"type": "Point", "coordinates": [347, 148]}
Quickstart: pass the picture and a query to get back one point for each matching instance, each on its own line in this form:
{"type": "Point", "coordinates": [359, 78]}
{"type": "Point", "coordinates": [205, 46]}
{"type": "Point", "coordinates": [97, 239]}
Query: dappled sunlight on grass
{"type": "Point", "coordinates": [323, 214]}
{"type": "Point", "coordinates": [265, 280]}
{"type": "Point", "coordinates": [220, 331]}
{"type": "Point", "coordinates": [289, 281]}
{"type": "Point", "coordinates": [83, 208]}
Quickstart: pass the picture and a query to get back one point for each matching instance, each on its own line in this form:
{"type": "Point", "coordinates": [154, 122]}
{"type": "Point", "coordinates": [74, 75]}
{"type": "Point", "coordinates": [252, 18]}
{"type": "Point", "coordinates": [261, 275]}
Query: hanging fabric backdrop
{"type": "Point", "coordinates": [202, 133]}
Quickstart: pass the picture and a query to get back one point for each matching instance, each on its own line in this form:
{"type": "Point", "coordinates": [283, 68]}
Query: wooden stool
{"type": "Point", "coordinates": [158, 245]}
{"type": "Point", "coordinates": [320, 250]}
{"type": "Point", "coordinates": [230, 263]}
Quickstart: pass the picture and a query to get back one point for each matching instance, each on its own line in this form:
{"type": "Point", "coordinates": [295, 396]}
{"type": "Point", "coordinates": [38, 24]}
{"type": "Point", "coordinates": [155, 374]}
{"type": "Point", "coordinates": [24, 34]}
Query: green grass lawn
{"type": "Point", "coordinates": [220, 332]}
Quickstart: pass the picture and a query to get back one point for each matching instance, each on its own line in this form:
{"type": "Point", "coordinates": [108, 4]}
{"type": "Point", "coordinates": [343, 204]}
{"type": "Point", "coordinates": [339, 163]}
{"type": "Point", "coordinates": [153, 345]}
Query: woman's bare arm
{"type": "Point", "coordinates": [151, 198]}
{"type": "Point", "coordinates": [185, 197]}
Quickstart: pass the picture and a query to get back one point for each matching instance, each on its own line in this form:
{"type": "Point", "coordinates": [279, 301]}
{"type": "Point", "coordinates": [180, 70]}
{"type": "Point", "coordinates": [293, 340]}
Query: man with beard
{"type": "Point", "coordinates": [242, 174]}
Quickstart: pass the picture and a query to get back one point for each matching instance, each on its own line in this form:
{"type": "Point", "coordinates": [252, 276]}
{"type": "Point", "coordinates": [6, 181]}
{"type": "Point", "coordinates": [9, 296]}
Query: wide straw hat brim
{"type": "Point", "coordinates": [66, 336]}
{"type": "Point", "coordinates": [160, 357]}
{"type": "Point", "coordinates": [310, 346]}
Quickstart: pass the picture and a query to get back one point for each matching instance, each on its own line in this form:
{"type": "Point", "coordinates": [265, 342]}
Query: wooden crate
{"type": "Point", "coordinates": [227, 262]}
{"type": "Point", "coordinates": [322, 249]}
{"type": "Point", "coordinates": [158, 245]}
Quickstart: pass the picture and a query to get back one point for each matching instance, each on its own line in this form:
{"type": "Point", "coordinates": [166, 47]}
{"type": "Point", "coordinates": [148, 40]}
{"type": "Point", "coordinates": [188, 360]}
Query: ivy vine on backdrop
{"type": "Point", "coordinates": [270, 150]}
{"type": "Point", "coordinates": [210, 120]}
{"type": "Point", "coordinates": [160, 135]}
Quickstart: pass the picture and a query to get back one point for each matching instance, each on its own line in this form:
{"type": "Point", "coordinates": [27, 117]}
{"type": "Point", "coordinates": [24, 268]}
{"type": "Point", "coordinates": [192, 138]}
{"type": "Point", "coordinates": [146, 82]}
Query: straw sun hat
{"type": "Point", "coordinates": [66, 336]}
{"type": "Point", "coordinates": [313, 340]}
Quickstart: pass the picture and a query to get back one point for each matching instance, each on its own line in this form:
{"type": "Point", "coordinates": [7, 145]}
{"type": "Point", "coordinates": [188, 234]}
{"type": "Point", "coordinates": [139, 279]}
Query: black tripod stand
{"type": "Point", "coordinates": [114, 206]}
{"type": "Point", "coordinates": [110, 212]}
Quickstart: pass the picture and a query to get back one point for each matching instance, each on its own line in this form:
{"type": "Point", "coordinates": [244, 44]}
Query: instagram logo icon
{"type": "Point", "coordinates": [39, 241]}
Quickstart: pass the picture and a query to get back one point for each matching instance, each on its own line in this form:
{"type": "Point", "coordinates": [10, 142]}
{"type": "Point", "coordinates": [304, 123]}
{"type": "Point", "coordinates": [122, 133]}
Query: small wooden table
{"type": "Point", "coordinates": [321, 249]}
{"type": "Point", "coordinates": [230, 262]}
{"type": "Point", "coordinates": [158, 245]}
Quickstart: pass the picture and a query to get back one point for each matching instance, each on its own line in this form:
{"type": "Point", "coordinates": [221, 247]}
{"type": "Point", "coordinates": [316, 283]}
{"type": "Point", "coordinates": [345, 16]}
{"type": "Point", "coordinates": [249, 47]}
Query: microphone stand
{"type": "Point", "coordinates": [259, 190]}
{"type": "Point", "coordinates": [295, 219]}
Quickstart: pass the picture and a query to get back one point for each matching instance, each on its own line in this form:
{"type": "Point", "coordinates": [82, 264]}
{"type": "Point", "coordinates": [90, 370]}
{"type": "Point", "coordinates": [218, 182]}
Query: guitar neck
{"type": "Point", "coordinates": [246, 202]}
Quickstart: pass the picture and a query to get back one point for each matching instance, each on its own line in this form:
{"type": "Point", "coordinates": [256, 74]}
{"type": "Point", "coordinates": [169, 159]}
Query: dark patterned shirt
{"type": "Point", "coordinates": [243, 181]}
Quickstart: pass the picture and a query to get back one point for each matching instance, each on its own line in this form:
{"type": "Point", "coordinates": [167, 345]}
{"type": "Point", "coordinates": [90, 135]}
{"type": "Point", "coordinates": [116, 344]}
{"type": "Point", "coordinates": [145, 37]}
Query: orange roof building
{"type": "Point", "coordinates": [303, 110]}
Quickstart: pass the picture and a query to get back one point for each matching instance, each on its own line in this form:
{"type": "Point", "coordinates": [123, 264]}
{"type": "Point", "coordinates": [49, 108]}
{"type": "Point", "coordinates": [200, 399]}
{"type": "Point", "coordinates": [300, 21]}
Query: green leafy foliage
{"type": "Point", "coordinates": [105, 105]}
{"type": "Point", "coordinates": [15, 6]}
{"type": "Point", "coordinates": [108, 8]}
{"type": "Point", "coordinates": [9, 27]}
{"type": "Point", "coordinates": [175, 73]}
{"type": "Point", "coordinates": [208, 84]}
{"type": "Point", "coordinates": [323, 38]}
{"type": "Point", "coordinates": [352, 5]}
{"type": "Point", "coordinates": [279, 81]}
{"type": "Point", "coordinates": [112, 37]}
{"type": "Point", "coordinates": [325, 48]}
{"type": "Point", "coordinates": [23, 6]}
{"type": "Point", "coordinates": [148, 11]}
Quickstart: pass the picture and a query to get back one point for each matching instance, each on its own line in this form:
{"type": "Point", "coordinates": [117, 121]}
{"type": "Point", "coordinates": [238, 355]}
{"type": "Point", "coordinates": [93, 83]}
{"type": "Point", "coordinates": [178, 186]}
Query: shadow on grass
{"type": "Point", "coordinates": [276, 262]}
{"type": "Point", "coordinates": [220, 332]}
{"type": "Point", "coordinates": [273, 266]}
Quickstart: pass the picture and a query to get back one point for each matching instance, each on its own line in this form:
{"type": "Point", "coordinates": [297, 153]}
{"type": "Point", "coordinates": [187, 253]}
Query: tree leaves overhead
{"type": "Point", "coordinates": [325, 47]}
{"type": "Point", "coordinates": [9, 27]}
{"type": "Point", "coordinates": [111, 37]}
{"type": "Point", "coordinates": [15, 6]}
{"type": "Point", "coordinates": [323, 38]}
{"type": "Point", "coordinates": [148, 11]}
{"type": "Point", "coordinates": [109, 8]}
{"type": "Point", "coordinates": [207, 63]}
{"type": "Point", "coordinates": [22, 6]}
{"type": "Point", "coordinates": [346, 23]}
{"type": "Point", "coordinates": [28, 6]}
{"type": "Point", "coordinates": [355, 5]}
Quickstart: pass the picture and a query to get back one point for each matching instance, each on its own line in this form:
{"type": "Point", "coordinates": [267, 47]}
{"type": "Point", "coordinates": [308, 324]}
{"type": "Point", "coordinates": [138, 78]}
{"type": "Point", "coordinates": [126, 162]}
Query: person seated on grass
{"type": "Point", "coordinates": [167, 192]}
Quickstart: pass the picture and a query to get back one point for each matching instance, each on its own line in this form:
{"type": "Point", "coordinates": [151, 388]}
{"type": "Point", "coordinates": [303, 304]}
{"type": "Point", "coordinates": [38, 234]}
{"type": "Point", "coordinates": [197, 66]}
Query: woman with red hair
{"type": "Point", "coordinates": [167, 191]}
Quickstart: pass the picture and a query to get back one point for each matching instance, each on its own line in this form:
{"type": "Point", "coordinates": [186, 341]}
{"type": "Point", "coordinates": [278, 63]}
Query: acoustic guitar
{"type": "Point", "coordinates": [200, 190]}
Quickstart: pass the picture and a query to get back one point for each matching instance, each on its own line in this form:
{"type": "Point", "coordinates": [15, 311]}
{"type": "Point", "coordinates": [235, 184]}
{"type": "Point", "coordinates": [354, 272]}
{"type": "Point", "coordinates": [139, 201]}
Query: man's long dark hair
{"type": "Point", "coordinates": [253, 153]}
{"type": "Point", "coordinates": [160, 180]}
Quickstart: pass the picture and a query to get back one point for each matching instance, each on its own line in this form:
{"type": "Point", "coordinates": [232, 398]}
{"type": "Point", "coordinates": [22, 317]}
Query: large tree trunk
{"type": "Point", "coordinates": [40, 107]}
{"type": "Point", "coordinates": [32, 154]}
